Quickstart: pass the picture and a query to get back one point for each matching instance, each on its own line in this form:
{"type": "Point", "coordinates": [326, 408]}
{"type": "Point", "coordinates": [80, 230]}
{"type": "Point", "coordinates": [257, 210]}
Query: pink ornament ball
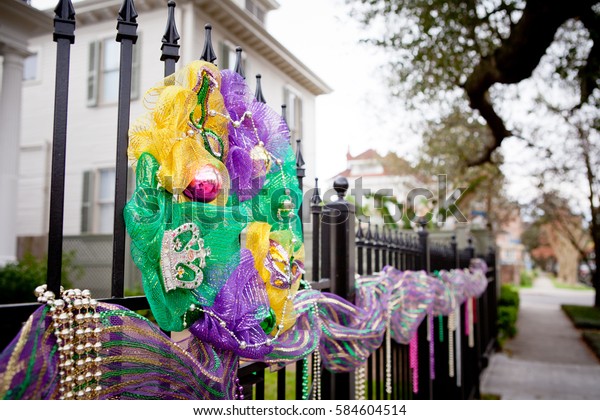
{"type": "Point", "coordinates": [206, 185]}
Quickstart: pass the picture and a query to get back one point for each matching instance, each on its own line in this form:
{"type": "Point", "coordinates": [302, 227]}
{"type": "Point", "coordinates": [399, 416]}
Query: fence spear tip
{"type": "Point", "coordinates": [258, 94]}
{"type": "Point", "coordinates": [239, 67]}
{"type": "Point", "coordinates": [127, 13]}
{"type": "Point", "coordinates": [64, 10]}
{"type": "Point", "coordinates": [208, 53]}
{"type": "Point", "coordinates": [171, 35]}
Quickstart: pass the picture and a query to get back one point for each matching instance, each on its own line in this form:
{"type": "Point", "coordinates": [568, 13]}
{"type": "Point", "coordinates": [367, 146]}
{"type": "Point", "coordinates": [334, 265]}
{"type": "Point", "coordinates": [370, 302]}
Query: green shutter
{"type": "Point", "coordinates": [225, 56]}
{"type": "Point", "coordinates": [87, 202]}
{"type": "Point", "coordinates": [93, 73]}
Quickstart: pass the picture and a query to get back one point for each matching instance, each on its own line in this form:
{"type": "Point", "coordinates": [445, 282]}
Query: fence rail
{"type": "Point", "coordinates": [341, 248]}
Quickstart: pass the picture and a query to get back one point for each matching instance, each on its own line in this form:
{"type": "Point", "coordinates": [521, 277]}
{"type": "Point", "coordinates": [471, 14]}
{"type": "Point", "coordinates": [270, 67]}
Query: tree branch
{"type": "Point", "coordinates": [515, 59]}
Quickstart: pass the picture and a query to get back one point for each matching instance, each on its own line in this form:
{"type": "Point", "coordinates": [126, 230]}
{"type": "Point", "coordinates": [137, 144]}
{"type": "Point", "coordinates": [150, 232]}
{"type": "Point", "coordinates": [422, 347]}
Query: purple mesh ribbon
{"type": "Point", "coordinates": [442, 296]}
{"type": "Point", "coordinates": [411, 300]}
{"type": "Point", "coordinates": [476, 282]}
{"type": "Point", "coordinates": [264, 122]}
{"type": "Point", "coordinates": [242, 303]}
{"type": "Point", "coordinates": [456, 280]}
{"type": "Point", "coordinates": [141, 362]}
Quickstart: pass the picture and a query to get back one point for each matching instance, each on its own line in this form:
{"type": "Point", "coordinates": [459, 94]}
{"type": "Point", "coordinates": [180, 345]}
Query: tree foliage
{"type": "Point", "coordinates": [447, 145]}
{"type": "Point", "coordinates": [461, 51]}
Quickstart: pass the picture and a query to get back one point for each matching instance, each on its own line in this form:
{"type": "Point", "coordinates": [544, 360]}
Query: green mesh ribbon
{"type": "Point", "coordinates": [150, 213]}
{"type": "Point", "coordinates": [266, 206]}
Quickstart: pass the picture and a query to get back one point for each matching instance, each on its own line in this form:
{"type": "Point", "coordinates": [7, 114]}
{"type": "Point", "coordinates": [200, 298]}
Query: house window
{"type": "Point", "coordinates": [293, 103]}
{"type": "Point", "coordinates": [103, 72]}
{"type": "Point", "coordinates": [98, 205]}
{"type": "Point", "coordinates": [256, 10]}
{"type": "Point", "coordinates": [228, 57]}
{"type": "Point", "coordinates": [98, 199]}
{"type": "Point", "coordinates": [30, 67]}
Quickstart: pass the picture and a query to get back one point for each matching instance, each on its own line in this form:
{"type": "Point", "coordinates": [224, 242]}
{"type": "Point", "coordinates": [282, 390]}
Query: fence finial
{"type": "Point", "coordinates": [171, 35]}
{"type": "Point", "coordinates": [315, 200]}
{"type": "Point", "coordinates": [170, 47]}
{"type": "Point", "coordinates": [239, 67]}
{"type": "Point", "coordinates": [64, 10]}
{"type": "Point", "coordinates": [208, 53]}
{"type": "Point", "coordinates": [284, 113]}
{"type": "Point", "coordinates": [376, 236]}
{"type": "Point", "coordinates": [299, 158]}
{"type": "Point", "coordinates": [64, 21]}
{"type": "Point", "coordinates": [127, 13]}
{"type": "Point", "coordinates": [359, 232]}
{"type": "Point", "coordinates": [258, 93]}
{"type": "Point", "coordinates": [368, 236]}
{"type": "Point", "coordinates": [340, 185]}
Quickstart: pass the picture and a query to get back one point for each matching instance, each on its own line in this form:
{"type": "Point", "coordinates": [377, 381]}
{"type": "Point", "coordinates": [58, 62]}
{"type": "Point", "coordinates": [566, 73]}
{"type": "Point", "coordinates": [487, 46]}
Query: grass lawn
{"type": "Point", "coordinates": [579, 286]}
{"type": "Point", "coordinates": [584, 317]}
{"type": "Point", "coordinates": [592, 338]}
{"type": "Point", "coordinates": [290, 383]}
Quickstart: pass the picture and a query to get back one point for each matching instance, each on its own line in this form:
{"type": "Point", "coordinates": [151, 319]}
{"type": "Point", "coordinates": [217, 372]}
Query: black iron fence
{"type": "Point", "coordinates": [340, 251]}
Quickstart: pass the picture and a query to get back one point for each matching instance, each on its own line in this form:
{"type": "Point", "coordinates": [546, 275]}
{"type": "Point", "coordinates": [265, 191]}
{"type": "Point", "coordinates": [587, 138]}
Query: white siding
{"type": "Point", "coordinates": [91, 138]}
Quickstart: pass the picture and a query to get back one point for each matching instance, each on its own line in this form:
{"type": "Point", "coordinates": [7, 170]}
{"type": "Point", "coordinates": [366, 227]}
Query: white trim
{"type": "Point", "coordinates": [38, 51]}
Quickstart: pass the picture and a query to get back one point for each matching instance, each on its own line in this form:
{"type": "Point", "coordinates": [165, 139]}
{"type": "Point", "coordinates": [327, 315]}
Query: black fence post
{"type": "Point", "coordinates": [425, 388]}
{"type": "Point", "coordinates": [455, 255]}
{"type": "Point", "coordinates": [300, 173]}
{"type": "Point", "coordinates": [315, 209]}
{"type": "Point", "coordinates": [127, 36]}
{"type": "Point", "coordinates": [64, 36]}
{"type": "Point", "coordinates": [470, 251]}
{"type": "Point", "coordinates": [170, 48]}
{"type": "Point", "coordinates": [339, 220]}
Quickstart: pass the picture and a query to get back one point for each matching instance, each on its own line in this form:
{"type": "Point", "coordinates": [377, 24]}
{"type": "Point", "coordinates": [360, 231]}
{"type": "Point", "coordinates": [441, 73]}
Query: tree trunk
{"type": "Point", "coordinates": [596, 272]}
{"type": "Point", "coordinates": [516, 59]}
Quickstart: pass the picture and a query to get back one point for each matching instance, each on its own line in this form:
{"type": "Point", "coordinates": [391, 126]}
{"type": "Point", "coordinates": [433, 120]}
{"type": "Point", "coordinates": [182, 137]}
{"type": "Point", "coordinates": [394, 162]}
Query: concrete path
{"type": "Point", "coordinates": [547, 359]}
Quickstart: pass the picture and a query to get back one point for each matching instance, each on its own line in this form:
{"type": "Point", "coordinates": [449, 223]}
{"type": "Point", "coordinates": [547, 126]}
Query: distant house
{"type": "Point", "coordinates": [91, 139]}
{"type": "Point", "coordinates": [371, 175]}
{"type": "Point", "coordinates": [511, 251]}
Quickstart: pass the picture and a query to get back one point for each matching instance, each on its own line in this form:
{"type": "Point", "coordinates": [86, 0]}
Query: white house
{"type": "Point", "coordinates": [92, 121]}
{"type": "Point", "coordinates": [18, 23]}
{"type": "Point", "coordinates": [370, 174]}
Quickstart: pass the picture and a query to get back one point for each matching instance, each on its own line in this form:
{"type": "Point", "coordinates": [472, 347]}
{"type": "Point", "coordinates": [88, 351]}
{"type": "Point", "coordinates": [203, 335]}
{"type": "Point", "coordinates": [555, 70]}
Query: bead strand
{"type": "Point", "coordinates": [77, 329]}
{"type": "Point", "coordinates": [241, 343]}
{"type": "Point", "coordinates": [388, 353]}
{"type": "Point", "coordinates": [360, 393]}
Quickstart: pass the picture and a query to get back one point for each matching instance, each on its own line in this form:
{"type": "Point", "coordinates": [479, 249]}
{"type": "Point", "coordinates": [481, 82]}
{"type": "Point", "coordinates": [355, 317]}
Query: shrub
{"type": "Point", "coordinates": [508, 309]}
{"type": "Point", "coordinates": [507, 320]}
{"type": "Point", "coordinates": [526, 278]}
{"type": "Point", "coordinates": [508, 296]}
{"type": "Point", "coordinates": [19, 280]}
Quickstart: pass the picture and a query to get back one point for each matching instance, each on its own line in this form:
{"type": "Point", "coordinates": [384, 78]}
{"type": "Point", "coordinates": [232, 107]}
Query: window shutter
{"type": "Point", "coordinates": [130, 182]}
{"type": "Point", "coordinates": [87, 202]}
{"type": "Point", "coordinates": [225, 51]}
{"type": "Point", "coordinates": [93, 72]}
{"type": "Point", "coordinates": [135, 70]}
{"type": "Point", "coordinates": [299, 122]}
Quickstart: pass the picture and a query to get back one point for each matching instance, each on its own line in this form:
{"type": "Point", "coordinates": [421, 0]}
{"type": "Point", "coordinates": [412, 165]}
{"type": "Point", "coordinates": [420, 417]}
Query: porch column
{"type": "Point", "coordinates": [10, 123]}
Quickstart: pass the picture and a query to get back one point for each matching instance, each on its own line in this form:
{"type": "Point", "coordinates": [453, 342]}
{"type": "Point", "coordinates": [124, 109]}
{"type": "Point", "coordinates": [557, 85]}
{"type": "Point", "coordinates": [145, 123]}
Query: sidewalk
{"type": "Point", "coordinates": [547, 359]}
